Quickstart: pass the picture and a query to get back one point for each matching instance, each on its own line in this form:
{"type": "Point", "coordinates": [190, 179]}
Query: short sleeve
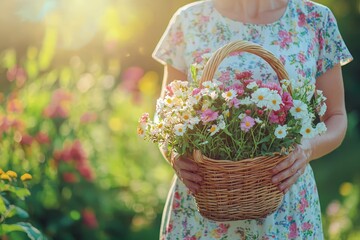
{"type": "Point", "coordinates": [332, 48]}
{"type": "Point", "coordinates": [170, 49]}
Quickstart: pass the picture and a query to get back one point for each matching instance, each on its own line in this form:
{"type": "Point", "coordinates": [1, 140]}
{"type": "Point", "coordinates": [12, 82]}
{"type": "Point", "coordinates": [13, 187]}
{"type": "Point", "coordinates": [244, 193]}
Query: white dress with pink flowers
{"type": "Point", "coordinates": [307, 41]}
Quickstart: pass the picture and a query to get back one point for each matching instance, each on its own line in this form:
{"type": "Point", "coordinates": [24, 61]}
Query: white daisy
{"type": "Point", "coordinates": [214, 95]}
{"type": "Point", "coordinates": [281, 131]}
{"type": "Point", "coordinates": [241, 115]}
{"type": "Point", "coordinates": [252, 85]}
{"type": "Point", "coordinates": [229, 95]}
{"type": "Point", "coordinates": [246, 101]}
{"type": "Point", "coordinates": [169, 101]}
{"type": "Point", "coordinates": [260, 97]}
{"type": "Point", "coordinates": [179, 129]}
{"type": "Point", "coordinates": [258, 120]}
{"type": "Point", "coordinates": [322, 110]}
{"type": "Point", "coordinates": [321, 128]}
{"type": "Point", "coordinates": [307, 131]}
{"type": "Point", "coordinates": [274, 101]}
{"type": "Point", "coordinates": [222, 124]}
{"type": "Point", "coordinates": [213, 129]}
{"type": "Point", "coordinates": [299, 110]}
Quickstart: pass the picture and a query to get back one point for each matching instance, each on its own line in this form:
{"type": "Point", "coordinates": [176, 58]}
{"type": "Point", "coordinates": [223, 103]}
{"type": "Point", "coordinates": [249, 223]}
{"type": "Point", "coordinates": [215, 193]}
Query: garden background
{"type": "Point", "coordinates": [76, 75]}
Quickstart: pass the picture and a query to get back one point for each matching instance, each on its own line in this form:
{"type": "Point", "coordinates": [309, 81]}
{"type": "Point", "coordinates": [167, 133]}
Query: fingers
{"type": "Point", "coordinates": [285, 185]}
{"type": "Point", "coordinates": [186, 170]}
{"type": "Point", "coordinates": [285, 164]}
{"type": "Point", "coordinates": [191, 180]}
{"type": "Point", "coordinates": [185, 164]}
{"type": "Point", "coordinates": [287, 172]}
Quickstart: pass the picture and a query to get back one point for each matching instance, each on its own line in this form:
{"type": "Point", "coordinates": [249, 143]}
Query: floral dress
{"type": "Point", "coordinates": [307, 41]}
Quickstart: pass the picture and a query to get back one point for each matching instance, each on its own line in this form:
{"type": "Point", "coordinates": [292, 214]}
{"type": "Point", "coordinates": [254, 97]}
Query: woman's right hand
{"type": "Point", "coordinates": [187, 172]}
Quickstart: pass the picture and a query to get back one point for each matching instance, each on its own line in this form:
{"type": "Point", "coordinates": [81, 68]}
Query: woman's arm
{"type": "Point", "coordinates": [287, 172]}
{"type": "Point", "coordinates": [185, 168]}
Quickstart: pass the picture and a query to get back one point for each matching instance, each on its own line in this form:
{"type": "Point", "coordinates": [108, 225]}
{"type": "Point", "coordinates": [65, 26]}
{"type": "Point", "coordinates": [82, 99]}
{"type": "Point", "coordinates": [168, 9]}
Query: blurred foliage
{"type": "Point", "coordinates": [74, 80]}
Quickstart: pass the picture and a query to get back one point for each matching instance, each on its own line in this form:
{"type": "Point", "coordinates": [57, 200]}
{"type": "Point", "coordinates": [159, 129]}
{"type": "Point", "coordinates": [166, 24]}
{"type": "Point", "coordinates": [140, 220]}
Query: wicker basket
{"type": "Point", "coordinates": [237, 190]}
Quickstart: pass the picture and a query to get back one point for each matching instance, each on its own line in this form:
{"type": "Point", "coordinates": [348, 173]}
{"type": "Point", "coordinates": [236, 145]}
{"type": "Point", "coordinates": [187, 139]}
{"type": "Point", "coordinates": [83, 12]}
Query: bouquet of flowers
{"type": "Point", "coordinates": [246, 119]}
{"type": "Point", "coordinates": [236, 131]}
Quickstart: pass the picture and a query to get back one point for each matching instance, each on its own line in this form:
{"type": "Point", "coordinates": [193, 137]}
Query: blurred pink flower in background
{"type": "Point", "coordinates": [75, 154]}
{"type": "Point", "coordinates": [89, 218]}
{"type": "Point", "coordinates": [59, 104]}
{"type": "Point", "coordinates": [88, 117]}
{"type": "Point", "coordinates": [17, 74]}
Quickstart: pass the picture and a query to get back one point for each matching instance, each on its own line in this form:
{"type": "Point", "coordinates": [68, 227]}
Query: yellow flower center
{"type": "Point", "coordinates": [213, 128]}
{"type": "Point", "coordinates": [247, 124]}
{"type": "Point", "coordinates": [274, 101]}
{"type": "Point", "coordinates": [280, 131]}
{"type": "Point", "coordinates": [229, 94]}
{"type": "Point", "coordinates": [186, 117]}
{"type": "Point", "coordinates": [308, 130]}
{"type": "Point", "coordinates": [261, 97]}
{"type": "Point", "coordinates": [140, 131]}
{"type": "Point", "coordinates": [298, 109]}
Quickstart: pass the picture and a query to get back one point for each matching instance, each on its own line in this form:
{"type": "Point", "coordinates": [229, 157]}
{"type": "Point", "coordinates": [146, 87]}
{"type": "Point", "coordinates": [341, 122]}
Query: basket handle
{"type": "Point", "coordinates": [243, 46]}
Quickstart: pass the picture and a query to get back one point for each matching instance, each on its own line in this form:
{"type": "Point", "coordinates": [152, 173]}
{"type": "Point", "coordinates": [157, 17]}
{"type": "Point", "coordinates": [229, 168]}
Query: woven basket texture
{"type": "Point", "coordinates": [238, 190]}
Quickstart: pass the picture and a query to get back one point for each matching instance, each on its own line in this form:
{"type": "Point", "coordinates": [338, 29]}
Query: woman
{"type": "Point", "coordinates": [305, 37]}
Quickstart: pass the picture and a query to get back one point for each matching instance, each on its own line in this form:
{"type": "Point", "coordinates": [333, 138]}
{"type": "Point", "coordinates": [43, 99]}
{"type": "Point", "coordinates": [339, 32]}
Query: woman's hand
{"type": "Point", "coordinates": [286, 173]}
{"type": "Point", "coordinates": [186, 170]}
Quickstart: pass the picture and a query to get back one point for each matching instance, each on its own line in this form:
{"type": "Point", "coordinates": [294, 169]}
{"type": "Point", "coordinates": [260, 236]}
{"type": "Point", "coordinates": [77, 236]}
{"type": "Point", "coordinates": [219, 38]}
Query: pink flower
{"type": "Point", "coordinates": [278, 116]}
{"type": "Point", "coordinates": [69, 177]}
{"type": "Point", "coordinates": [85, 172]}
{"type": "Point", "coordinates": [302, 20]}
{"type": "Point", "coordinates": [285, 38]}
{"type": "Point", "coordinates": [247, 123]}
{"type": "Point", "coordinates": [88, 117]}
{"type": "Point", "coordinates": [234, 103]}
{"type": "Point", "coordinates": [59, 105]}
{"type": "Point", "coordinates": [303, 205]}
{"type": "Point", "coordinates": [170, 91]}
{"type": "Point", "coordinates": [223, 228]}
{"type": "Point", "coordinates": [177, 37]}
{"type": "Point", "coordinates": [177, 195]}
{"type": "Point", "coordinates": [306, 226]}
{"type": "Point", "coordinates": [89, 218]}
{"type": "Point", "coordinates": [195, 91]}
{"type": "Point", "coordinates": [208, 115]}
{"type": "Point", "coordinates": [190, 238]}
{"type": "Point", "coordinates": [238, 87]}
{"type": "Point", "coordinates": [293, 231]}
{"type": "Point", "coordinates": [244, 75]}
{"type": "Point", "coordinates": [272, 86]}
{"type": "Point", "coordinates": [169, 228]}
{"type": "Point", "coordinates": [287, 101]}
{"type": "Point", "coordinates": [176, 205]}
{"type": "Point", "coordinates": [302, 57]}
{"type": "Point", "coordinates": [144, 118]}
{"type": "Point", "coordinates": [42, 138]}
{"type": "Point", "coordinates": [17, 73]}
{"type": "Point", "coordinates": [14, 105]}
{"type": "Point", "coordinates": [26, 140]}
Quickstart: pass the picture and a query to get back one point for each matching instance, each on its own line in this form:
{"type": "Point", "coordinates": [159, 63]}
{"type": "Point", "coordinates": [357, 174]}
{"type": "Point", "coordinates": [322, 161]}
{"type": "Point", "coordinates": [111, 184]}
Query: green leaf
{"type": "Point", "coordinates": [193, 72]}
{"type": "Point", "coordinates": [8, 228]}
{"type": "Point", "coordinates": [265, 139]}
{"type": "Point", "coordinates": [31, 232]}
{"type": "Point", "coordinates": [19, 192]}
{"type": "Point", "coordinates": [2, 205]}
{"type": "Point", "coordinates": [227, 132]}
{"type": "Point", "coordinates": [15, 210]}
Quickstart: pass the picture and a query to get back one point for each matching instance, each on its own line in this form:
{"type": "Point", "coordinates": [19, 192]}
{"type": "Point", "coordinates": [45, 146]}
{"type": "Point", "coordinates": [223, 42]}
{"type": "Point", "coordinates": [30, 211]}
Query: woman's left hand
{"type": "Point", "coordinates": [286, 173]}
